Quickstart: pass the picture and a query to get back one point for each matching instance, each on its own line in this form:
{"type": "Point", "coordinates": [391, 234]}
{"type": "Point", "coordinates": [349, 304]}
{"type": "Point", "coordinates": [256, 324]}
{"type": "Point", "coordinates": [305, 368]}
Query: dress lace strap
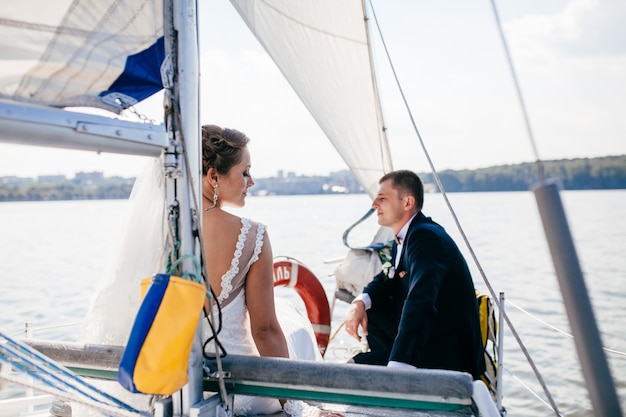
{"type": "Point", "coordinates": [258, 244]}
{"type": "Point", "coordinates": [227, 278]}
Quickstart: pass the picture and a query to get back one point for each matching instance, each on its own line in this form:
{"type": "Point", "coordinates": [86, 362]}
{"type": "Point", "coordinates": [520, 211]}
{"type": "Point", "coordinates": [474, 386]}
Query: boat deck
{"type": "Point", "coordinates": [352, 389]}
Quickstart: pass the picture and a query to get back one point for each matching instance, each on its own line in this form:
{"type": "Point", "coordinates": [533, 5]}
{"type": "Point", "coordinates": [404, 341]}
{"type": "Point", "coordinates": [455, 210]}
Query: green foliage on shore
{"type": "Point", "coordinates": [576, 174]}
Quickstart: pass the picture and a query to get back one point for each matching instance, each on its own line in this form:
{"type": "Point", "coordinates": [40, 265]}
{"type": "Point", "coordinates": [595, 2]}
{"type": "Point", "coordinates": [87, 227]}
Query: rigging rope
{"type": "Point", "coordinates": [528, 388]}
{"type": "Point", "coordinates": [520, 97]}
{"type": "Point", "coordinates": [545, 323]}
{"type": "Point", "coordinates": [65, 396]}
{"type": "Point", "coordinates": [29, 361]}
{"type": "Point", "coordinates": [456, 220]}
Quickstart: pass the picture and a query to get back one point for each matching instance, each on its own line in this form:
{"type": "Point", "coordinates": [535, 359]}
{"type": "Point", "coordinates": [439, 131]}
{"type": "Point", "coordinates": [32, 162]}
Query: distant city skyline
{"type": "Point", "coordinates": [280, 173]}
{"type": "Point", "coordinates": [277, 174]}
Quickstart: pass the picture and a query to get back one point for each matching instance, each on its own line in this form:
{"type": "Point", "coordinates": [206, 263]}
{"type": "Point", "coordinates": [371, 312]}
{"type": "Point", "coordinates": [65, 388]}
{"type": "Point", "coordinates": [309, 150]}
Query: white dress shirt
{"type": "Point", "coordinates": [400, 236]}
{"type": "Point", "coordinates": [368, 301]}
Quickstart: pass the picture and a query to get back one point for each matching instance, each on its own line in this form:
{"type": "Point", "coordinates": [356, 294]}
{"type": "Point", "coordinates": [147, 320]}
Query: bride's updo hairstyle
{"type": "Point", "coordinates": [221, 148]}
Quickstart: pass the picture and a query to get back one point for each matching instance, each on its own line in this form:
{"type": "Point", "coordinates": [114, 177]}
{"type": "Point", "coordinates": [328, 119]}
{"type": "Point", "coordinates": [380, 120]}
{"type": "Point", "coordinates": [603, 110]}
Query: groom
{"type": "Point", "coordinates": [422, 311]}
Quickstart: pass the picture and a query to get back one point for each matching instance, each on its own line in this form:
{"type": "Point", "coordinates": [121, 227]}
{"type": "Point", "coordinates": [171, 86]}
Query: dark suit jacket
{"type": "Point", "coordinates": [433, 305]}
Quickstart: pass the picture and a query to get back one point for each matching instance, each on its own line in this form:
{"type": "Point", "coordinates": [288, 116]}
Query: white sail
{"type": "Point", "coordinates": [322, 49]}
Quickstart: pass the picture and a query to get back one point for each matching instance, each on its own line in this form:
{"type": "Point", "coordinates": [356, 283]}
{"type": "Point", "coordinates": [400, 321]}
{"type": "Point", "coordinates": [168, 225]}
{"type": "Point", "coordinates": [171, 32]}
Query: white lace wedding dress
{"type": "Point", "coordinates": [139, 254]}
{"type": "Point", "coordinates": [236, 336]}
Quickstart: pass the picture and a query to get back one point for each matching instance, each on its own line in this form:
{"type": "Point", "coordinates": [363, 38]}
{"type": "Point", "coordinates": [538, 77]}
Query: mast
{"type": "Point", "coordinates": [182, 160]}
{"type": "Point", "coordinates": [576, 299]}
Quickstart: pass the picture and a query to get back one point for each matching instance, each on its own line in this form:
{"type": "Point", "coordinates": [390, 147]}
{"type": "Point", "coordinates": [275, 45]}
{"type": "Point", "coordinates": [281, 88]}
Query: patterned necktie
{"type": "Point", "coordinates": [398, 241]}
{"type": "Point", "coordinates": [394, 251]}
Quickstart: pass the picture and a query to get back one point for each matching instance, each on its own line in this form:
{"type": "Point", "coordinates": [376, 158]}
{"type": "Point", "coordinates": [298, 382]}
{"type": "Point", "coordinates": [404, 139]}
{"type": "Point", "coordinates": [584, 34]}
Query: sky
{"type": "Point", "coordinates": [569, 58]}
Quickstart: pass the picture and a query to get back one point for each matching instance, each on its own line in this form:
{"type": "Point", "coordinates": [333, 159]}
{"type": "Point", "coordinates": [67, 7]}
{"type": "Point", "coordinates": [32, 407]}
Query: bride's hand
{"type": "Point", "coordinates": [326, 413]}
{"type": "Point", "coordinates": [301, 409]}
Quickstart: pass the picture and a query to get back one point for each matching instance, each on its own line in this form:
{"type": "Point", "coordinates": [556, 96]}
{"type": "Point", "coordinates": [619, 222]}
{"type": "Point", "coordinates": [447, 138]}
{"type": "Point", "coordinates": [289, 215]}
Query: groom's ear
{"type": "Point", "coordinates": [409, 202]}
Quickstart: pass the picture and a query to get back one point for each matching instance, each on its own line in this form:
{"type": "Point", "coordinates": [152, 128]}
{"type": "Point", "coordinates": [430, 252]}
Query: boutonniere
{"type": "Point", "coordinates": [401, 274]}
{"type": "Point", "coordinates": [384, 253]}
{"type": "Point", "coordinates": [389, 270]}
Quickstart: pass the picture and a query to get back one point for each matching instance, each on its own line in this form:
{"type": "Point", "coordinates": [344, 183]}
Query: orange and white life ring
{"type": "Point", "coordinates": [291, 273]}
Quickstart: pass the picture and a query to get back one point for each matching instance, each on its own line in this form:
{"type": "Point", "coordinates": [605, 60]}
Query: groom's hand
{"type": "Point", "coordinates": [356, 316]}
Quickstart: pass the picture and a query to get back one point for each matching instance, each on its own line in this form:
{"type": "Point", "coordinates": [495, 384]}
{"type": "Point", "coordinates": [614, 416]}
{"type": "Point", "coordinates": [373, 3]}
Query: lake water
{"type": "Point", "coordinates": [52, 256]}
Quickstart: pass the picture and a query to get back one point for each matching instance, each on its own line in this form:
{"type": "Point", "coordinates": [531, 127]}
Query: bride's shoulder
{"type": "Point", "coordinates": [246, 222]}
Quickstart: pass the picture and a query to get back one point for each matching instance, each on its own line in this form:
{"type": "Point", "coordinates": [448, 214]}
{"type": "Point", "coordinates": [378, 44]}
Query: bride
{"type": "Point", "coordinates": [239, 263]}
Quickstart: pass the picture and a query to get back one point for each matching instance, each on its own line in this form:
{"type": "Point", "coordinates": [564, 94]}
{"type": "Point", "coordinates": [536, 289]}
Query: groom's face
{"type": "Point", "coordinates": [390, 206]}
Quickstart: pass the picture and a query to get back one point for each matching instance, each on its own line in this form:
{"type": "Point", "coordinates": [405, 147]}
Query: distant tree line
{"type": "Point", "coordinates": [576, 174]}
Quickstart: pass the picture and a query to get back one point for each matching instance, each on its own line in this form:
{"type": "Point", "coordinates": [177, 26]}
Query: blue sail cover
{"type": "Point", "coordinates": [141, 77]}
{"type": "Point", "coordinates": [83, 53]}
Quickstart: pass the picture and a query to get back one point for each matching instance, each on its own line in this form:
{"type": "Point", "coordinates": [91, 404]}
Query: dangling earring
{"type": "Point", "coordinates": [214, 198]}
